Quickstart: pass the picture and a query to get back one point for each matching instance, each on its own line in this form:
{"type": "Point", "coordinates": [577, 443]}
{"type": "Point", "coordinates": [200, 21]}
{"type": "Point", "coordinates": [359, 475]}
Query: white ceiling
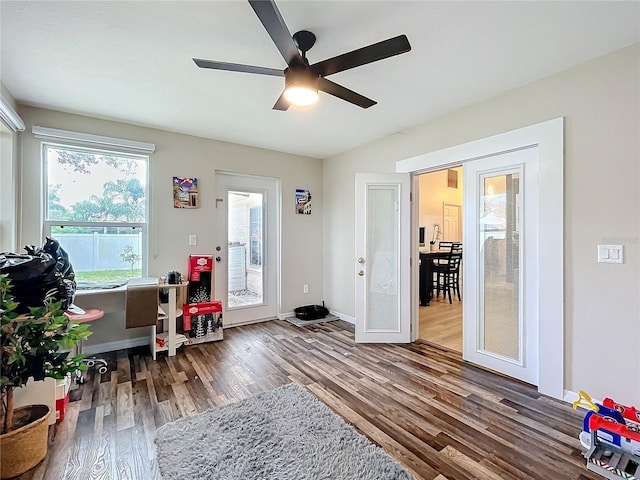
{"type": "Point", "coordinates": [131, 61]}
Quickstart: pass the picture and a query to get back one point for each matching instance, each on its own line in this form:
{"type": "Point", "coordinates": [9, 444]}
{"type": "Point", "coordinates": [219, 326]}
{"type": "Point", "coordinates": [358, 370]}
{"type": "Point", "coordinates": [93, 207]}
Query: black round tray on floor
{"type": "Point", "coordinates": [311, 312]}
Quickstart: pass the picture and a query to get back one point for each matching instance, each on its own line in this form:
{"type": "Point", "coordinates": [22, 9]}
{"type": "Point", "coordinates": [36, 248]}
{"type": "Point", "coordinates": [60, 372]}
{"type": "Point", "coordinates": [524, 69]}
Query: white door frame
{"type": "Point", "coordinates": [548, 137]}
{"type": "Point", "coordinates": [273, 226]}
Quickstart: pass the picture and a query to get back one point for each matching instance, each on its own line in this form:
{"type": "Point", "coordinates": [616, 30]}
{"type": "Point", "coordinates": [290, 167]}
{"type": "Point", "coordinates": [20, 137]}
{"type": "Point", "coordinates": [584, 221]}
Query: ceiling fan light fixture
{"type": "Point", "coordinates": [301, 87]}
{"type": "Point", "coordinates": [301, 95]}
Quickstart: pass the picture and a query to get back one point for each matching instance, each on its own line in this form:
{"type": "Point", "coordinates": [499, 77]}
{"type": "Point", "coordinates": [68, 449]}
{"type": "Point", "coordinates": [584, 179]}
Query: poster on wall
{"type": "Point", "coordinates": [185, 192]}
{"type": "Point", "coordinates": [303, 201]}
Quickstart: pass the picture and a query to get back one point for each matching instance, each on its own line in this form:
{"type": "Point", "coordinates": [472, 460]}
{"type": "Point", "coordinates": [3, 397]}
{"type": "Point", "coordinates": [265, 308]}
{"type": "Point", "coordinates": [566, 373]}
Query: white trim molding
{"type": "Point", "coordinates": [95, 141]}
{"type": "Point", "coordinates": [570, 396]}
{"type": "Point", "coordinates": [342, 316]}
{"type": "Point", "coordinates": [10, 116]}
{"type": "Point", "coordinates": [99, 348]}
{"type": "Point", "coordinates": [548, 136]}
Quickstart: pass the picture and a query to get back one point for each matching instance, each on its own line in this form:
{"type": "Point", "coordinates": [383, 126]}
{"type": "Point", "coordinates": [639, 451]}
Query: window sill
{"type": "Point", "coordinates": [100, 291]}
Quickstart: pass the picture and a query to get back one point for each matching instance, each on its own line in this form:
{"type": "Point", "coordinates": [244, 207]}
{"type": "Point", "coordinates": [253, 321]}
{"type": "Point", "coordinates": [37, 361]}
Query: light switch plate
{"type": "Point", "coordinates": [610, 254]}
{"type": "Point", "coordinates": [193, 240]}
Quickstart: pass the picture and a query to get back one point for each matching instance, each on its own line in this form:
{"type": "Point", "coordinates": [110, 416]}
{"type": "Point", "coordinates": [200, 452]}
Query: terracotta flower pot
{"type": "Point", "coordinates": [26, 446]}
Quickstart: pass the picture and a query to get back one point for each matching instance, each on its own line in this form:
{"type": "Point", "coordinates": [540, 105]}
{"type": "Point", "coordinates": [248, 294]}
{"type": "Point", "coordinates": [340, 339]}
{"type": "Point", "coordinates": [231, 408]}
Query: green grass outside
{"type": "Point", "coordinates": [108, 275]}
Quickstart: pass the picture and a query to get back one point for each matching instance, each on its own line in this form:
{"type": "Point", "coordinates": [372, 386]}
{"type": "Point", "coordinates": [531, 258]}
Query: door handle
{"type": "Point", "coordinates": [361, 273]}
{"type": "Point", "coordinates": [218, 259]}
{"type": "Point", "coordinates": [361, 260]}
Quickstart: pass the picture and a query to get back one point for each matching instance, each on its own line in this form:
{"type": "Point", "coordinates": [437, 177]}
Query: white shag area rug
{"type": "Point", "coordinates": [283, 434]}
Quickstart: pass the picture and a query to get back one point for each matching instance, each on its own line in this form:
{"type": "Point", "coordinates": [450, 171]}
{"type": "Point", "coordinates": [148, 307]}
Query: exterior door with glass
{"type": "Point", "coordinates": [500, 265]}
{"type": "Point", "coordinates": [246, 267]}
{"type": "Point", "coordinates": [382, 273]}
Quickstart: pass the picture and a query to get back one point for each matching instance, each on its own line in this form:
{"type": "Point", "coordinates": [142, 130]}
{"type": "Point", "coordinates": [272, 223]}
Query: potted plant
{"type": "Point", "coordinates": [38, 345]}
{"type": "Point", "coordinates": [434, 237]}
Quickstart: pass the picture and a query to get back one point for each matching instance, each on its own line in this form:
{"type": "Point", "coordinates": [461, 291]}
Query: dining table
{"type": "Point", "coordinates": [427, 257]}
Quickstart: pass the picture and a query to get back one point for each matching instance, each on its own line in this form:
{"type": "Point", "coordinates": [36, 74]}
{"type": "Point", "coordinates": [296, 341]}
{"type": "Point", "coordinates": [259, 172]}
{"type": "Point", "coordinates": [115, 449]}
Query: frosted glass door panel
{"type": "Point", "coordinates": [500, 294]}
{"type": "Point", "coordinates": [382, 253]}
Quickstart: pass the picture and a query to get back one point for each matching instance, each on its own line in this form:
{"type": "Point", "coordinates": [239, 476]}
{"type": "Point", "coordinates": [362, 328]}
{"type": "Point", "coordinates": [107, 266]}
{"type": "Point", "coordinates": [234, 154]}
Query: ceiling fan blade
{"type": "Point", "coordinates": [344, 93]}
{"type": "Point", "coordinates": [282, 103]}
{"type": "Point", "coordinates": [362, 56]}
{"type": "Point", "coordinates": [237, 67]}
{"type": "Point", "coordinates": [269, 15]}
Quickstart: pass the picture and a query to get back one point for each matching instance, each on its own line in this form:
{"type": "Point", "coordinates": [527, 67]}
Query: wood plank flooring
{"type": "Point", "coordinates": [440, 418]}
{"type": "Point", "coordinates": [441, 323]}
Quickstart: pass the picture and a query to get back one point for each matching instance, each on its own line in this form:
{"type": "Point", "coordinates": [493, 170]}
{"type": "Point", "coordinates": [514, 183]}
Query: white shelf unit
{"type": "Point", "coordinates": [171, 339]}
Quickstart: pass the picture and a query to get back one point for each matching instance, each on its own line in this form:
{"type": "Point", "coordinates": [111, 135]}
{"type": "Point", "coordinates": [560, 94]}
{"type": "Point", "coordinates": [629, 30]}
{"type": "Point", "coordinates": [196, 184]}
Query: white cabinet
{"type": "Point", "coordinates": [164, 337]}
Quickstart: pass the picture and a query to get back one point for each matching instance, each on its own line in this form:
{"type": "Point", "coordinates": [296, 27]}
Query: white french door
{"type": "Point", "coordinates": [246, 256]}
{"type": "Point", "coordinates": [500, 266]}
{"type": "Point", "coordinates": [382, 255]}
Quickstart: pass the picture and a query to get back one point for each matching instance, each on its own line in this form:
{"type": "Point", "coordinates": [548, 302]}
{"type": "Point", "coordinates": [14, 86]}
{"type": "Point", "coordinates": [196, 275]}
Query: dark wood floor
{"type": "Point", "coordinates": [440, 418]}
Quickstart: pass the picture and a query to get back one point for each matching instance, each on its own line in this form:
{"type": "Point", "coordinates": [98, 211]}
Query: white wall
{"type": "Point", "coordinates": [187, 156]}
{"type": "Point", "coordinates": [433, 193]}
{"type": "Point", "coordinates": [600, 101]}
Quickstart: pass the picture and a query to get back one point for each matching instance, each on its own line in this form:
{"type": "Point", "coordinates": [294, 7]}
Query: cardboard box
{"type": "Point", "coordinates": [200, 277]}
{"type": "Point", "coordinates": [204, 320]}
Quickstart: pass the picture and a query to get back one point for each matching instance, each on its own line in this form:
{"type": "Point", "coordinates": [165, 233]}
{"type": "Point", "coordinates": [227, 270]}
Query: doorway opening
{"type": "Point", "coordinates": [440, 219]}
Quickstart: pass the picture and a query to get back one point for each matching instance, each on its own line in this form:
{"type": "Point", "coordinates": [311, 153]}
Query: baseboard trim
{"type": "Point", "coordinates": [571, 396]}
{"type": "Point", "coordinates": [344, 317]}
{"type": "Point", "coordinates": [341, 316]}
{"type": "Point", "coordinates": [113, 346]}
{"type": "Point", "coordinates": [139, 341]}
{"type": "Point", "coordinates": [250, 322]}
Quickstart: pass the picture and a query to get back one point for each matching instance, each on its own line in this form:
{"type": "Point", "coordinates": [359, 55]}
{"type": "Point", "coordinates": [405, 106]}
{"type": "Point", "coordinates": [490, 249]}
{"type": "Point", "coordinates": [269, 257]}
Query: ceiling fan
{"type": "Point", "coordinates": [302, 81]}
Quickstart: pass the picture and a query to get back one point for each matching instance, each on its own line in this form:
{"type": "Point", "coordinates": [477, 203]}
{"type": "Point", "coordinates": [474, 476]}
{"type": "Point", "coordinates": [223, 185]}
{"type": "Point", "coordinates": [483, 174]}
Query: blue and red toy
{"type": "Point", "coordinates": [611, 436]}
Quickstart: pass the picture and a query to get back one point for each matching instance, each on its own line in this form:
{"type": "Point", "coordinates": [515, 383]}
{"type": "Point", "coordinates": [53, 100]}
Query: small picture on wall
{"type": "Point", "coordinates": [452, 178]}
{"type": "Point", "coordinates": [303, 202]}
{"type": "Point", "coordinates": [185, 192]}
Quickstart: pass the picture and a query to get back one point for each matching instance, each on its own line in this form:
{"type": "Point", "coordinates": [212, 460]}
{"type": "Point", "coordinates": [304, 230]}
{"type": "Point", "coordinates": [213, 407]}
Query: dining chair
{"type": "Point", "coordinates": [448, 273]}
{"type": "Point", "coordinates": [445, 245]}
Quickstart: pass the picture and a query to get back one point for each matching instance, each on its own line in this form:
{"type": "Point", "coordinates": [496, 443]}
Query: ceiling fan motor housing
{"type": "Point", "coordinates": [301, 77]}
{"type": "Point", "coordinates": [304, 40]}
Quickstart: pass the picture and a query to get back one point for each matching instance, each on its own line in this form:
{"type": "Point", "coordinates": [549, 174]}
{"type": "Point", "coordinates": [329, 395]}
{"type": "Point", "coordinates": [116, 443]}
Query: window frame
{"type": "Point", "coordinates": [143, 226]}
{"type": "Point", "coordinates": [255, 208]}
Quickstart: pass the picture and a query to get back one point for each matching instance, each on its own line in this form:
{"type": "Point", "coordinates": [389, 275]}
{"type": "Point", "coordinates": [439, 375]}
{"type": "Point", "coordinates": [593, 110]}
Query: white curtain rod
{"type": "Point", "coordinates": [89, 140]}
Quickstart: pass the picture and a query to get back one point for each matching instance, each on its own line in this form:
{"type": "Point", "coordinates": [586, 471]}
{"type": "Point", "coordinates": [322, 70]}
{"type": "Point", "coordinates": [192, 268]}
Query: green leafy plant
{"type": "Point", "coordinates": [37, 344]}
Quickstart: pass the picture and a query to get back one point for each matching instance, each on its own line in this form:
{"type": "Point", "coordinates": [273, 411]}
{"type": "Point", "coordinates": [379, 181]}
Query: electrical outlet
{"type": "Point", "coordinates": [305, 289]}
{"type": "Point", "coordinates": [193, 240]}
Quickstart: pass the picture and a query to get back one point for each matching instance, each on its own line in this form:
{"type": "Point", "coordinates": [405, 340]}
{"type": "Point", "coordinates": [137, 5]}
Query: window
{"type": "Point", "coordinates": [255, 236]}
{"type": "Point", "coordinates": [8, 182]}
{"type": "Point", "coordinates": [96, 207]}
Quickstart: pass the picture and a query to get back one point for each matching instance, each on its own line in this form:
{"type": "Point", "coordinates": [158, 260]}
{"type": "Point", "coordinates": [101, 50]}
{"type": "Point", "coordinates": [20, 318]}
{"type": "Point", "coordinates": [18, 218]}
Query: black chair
{"type": "Point", "coordinates": [448, 273]}
{"type": "Point", "coordinates": [449, 245]}
{"type": "Point", "coordinates": [445, 245]}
